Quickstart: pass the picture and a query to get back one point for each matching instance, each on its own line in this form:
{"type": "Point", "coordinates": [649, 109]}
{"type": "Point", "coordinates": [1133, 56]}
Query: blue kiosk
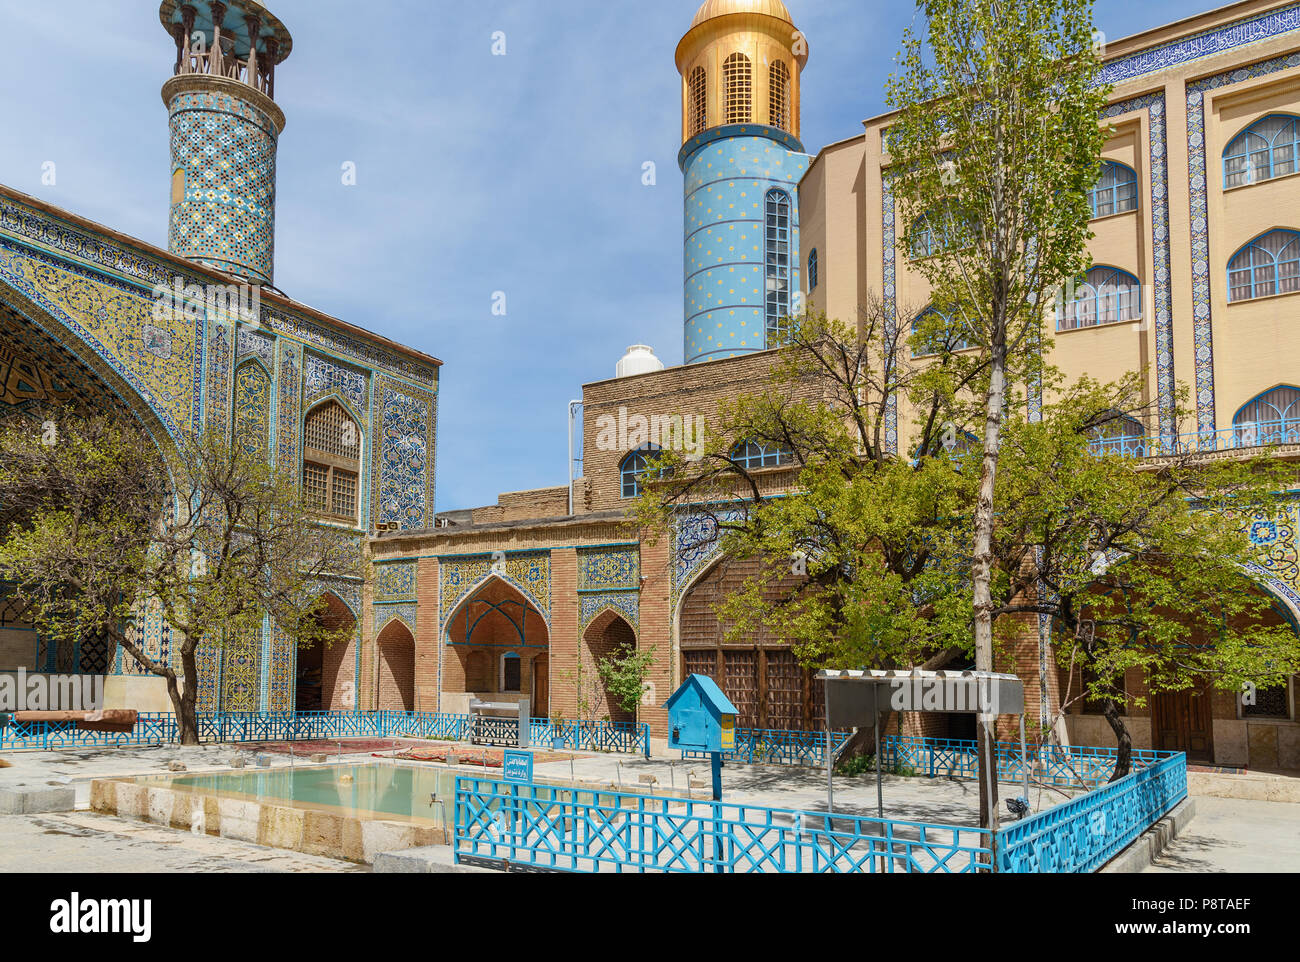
{"type": "Point", "coordinates": [702, 719]}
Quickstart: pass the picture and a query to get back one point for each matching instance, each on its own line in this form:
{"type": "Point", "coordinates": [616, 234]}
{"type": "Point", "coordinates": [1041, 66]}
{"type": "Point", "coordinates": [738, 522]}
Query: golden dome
{"type": "Point", "coordinates": [720, 8]}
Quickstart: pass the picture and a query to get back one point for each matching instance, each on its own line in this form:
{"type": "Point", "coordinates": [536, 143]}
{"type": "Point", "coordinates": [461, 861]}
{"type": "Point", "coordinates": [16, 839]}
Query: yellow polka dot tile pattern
{"type": "Point", "coordinates": [732, 260]}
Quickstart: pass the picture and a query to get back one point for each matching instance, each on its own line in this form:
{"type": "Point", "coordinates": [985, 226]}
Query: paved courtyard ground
{"type": "Point", "coordinates": [85, 842]}
{"type": "Point", "coordinates": [1227, 835]}
{"type": "Point", "coordinates": [1235, 835]}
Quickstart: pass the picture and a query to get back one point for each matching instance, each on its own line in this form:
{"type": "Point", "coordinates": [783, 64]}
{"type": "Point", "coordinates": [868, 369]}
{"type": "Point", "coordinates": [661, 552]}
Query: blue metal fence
{"type": "Point", "coordinates": [1083, 834]}
{"type": "Point", "coordinates": [1068, 766]}
{"type": "Point", "coordinates": [561, 829]}
{"type": "Point", "coordinates": [761, 746]}
{"type": "Point", "coordinates": [159, 728]}
{"type": "Point", "coordinates": [591, 736]}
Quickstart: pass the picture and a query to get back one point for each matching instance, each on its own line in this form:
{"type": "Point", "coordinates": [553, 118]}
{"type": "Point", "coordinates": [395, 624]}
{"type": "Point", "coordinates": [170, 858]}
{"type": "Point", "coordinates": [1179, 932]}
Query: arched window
{"type": "Point", "coordinates": [1105, 295]}
{"type": "Point", "coordinates": [1116, 190]}
{"type": "Point", "coordinates": [779, 96]}
{"type": "Point", "coordinates": [778, 266]}
{"type": "Point", "coordinates": [953, 337]}
{"type": "Point", "coordinates": [697, 102]}
{"type": "Point", "coordinates": [755, 454]}
{"type": "Point", "coordinates": [1120, 434]}
{"type": "Point", "coordinates": [1267, 148]}
{"type": "Point", "coordinates": [331, 461]}
{"type": "Point", "coordinates": [1270, 264]}
{"type": "Point", "coordinates": [1272, 418]}
{"type": "Point", "coordinates": [923, 237]}
{"type": "Point", "coordinates": [812, 270]}
{"type": "Point", "coordinates": [738, 87]}
{"type": "Point", "coordinates": [632, 470]}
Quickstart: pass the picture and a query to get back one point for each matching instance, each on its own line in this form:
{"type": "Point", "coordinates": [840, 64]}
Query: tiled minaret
{"type": "Point", "coordinates": [225, 127]}
{"type": "Point", "coordinates": [742, 160]}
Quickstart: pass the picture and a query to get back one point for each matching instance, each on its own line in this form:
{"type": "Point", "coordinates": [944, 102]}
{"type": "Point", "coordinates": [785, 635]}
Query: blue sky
{"type": "Point", "coordinates": [475, 174]}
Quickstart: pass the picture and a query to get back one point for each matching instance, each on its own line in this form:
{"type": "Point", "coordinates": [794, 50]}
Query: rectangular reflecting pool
{"type": "Point", "coordinates": [350, 812]}
{"type": "Point", "coordinates": [386, 791]}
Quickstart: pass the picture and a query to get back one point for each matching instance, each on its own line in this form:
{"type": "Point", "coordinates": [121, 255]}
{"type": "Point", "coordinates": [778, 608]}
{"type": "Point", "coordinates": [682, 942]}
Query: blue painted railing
{"type": "Point", "coordinates": [760, 746]}
{"type": "Point", "coordinates": [561, 829]}
{"type": "Point", "coordinates": [570, 830]}
{"type": "Point", "coordinates": [1085, 833]}
{"type": "Point", "coordinates": [1237, 437]}
{"type": "Point", "coordinates": [591, 736]}
{"type": "Point", "coordinates": [159, 728]}
{"type": "Point", "coordinates": [1069, 766]}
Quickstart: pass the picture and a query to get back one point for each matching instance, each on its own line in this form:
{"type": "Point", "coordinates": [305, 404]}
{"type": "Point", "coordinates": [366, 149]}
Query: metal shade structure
{"type": "Point", "coordinates": [855, 699]}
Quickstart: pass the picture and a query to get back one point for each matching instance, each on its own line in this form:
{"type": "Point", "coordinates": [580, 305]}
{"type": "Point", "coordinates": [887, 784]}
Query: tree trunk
{"type": "Point", "coordinates": [1124, 741]}
{"type": "Point", "coordinates": [184, 703]}
{"type": "Point", "coordinates": [981, 575]}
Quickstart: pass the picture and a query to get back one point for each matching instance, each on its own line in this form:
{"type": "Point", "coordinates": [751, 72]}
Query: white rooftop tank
{"type": "Point", "coordinates": [639, 359]}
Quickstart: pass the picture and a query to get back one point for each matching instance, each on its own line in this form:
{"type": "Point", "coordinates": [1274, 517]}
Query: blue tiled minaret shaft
{"type": "Point", "coordinates": [741, 159]}
{"type": "Point", "coordinates": [225, 127]}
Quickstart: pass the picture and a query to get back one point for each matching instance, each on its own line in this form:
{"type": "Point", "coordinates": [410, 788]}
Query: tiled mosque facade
{"type": "Point", "coordinates": [80, 322]}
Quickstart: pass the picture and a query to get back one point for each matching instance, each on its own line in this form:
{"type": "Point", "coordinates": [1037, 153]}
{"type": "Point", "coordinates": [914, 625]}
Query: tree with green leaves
{"type": "Point", "coordinates": [98, 522]}
{"type": "Point", "coordinates": [1139, 565]}
{"type": "Point", "coordinates": [624, 673]}
{"type": "Point", "coordinates": [993, 150]}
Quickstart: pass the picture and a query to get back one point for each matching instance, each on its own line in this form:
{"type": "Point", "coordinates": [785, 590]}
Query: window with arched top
{"type": "Point", "coordinates": [331, 461]}
{"type": "Point", "coordinates": [941, 334]}
{"type": "Point", "coordinates": [1105, 295]}
{"type": "Point", "coordinates": [1271, 418]}
{"type": "Point", "coordinates": [777, 237]}
{"type": "Point", "coordinates": [1118, 434]}
{"type": "Point", "coordinates": [1268, 148]}
{"type": "Point", "coordinates": [757, 454]}
{"type": "Point", "coordinates": [812, 270]}
{"type": "Point", "coordinates": [778, 102]}
{"type": "Point", "coordinates": [737, 89]}
{"type": "Point", "coordinates": [1115, 191]}
{"type": "Point", "coordinates": [1270, 264]}
{"type": "Point", "coordinates": [632, 469]}
{"type": "Point", "coordinates": [697, 102]}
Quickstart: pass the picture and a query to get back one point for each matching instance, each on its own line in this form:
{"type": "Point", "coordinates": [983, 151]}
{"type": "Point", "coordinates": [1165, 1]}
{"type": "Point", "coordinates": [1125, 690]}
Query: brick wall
{"type": "Point", "coordinates": [690, 390]}
{"type": "Point", "coordinates": [396, 669]}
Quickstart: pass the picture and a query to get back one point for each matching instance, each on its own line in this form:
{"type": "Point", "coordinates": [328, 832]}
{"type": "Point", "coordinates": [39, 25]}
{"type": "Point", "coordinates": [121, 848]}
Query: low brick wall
{"type": "Point", "coordinates": [311, 831]}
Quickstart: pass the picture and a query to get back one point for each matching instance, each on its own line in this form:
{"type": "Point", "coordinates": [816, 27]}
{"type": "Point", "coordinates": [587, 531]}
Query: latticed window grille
{"type": "Point", "coordinates": [779, 96]}
{"type": "Point", "coordinates": [1269, 703]}
{"type": "Point", "coordinates": [738, 89]}
{"type": "Point", "coordinates": [697, 101]}
{"type": "Point", "coordinates": [1268, 148]}
{"type": "Point", "coordinates": [331, 462]}
{"type": "Point", "coordinates": [778, 266]}
{"type": "Point", "coordinates": [740, 684]}
{"type": "Point", "coordinates": [329, 428]}
{"type": "Point", "coordinates": [1270, 264]}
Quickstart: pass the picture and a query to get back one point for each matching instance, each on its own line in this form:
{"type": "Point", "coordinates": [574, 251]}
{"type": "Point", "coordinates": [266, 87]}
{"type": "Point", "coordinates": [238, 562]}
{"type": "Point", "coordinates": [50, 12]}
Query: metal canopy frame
{"type": "Point", "coordinates": [996, 693]}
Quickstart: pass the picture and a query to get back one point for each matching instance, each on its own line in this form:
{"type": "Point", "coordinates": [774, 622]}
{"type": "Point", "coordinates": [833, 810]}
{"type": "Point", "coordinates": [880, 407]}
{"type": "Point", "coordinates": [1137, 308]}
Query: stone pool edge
{"type": "Point", "coordinates": [308, 831]}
